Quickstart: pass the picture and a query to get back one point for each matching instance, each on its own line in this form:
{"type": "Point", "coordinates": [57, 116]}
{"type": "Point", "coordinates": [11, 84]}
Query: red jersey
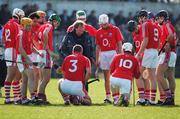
{"type": "Point", "coordinates": [137, 38]}
{"type": "Point", "coordinates": [150, 31]}
{"type": "Point", "coordinates": [166, 28]}
{"type": "Point", "coordinates": [24, 37]}
{"type": "Point", "coordinates": [74, 67]}
{"type": "Point", "coordinates": [36, 42]}
{"type": "Point", "coordinates": [107, 39]}
{"type": "Point", "coordinates": [47, 26]}
{"type": "Point", "coordinates": [11, 29]}
{"type": "Point", "coordinates": [125, 66]}
{"type": "Point", "coordinates": [90, 29]}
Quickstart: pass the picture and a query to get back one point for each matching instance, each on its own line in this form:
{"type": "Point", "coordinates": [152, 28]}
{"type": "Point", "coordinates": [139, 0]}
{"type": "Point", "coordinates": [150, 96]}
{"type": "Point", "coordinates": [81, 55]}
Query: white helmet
{"type": "Point", "coordinates": [127, 47]}
{"type": "Point", "coordinates": [19, 13]}
{"type": "Point", "coordinates": [80, 14]}
{"type": "Point", "coordinates": [103, 19]}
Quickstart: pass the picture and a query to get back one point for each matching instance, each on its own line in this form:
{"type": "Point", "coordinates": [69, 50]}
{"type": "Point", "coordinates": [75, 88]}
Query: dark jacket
{"type": "Point", "coordinates": [71, 39]}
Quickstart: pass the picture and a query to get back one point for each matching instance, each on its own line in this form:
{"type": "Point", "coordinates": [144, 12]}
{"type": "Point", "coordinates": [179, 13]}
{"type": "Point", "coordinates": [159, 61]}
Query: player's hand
{"type": "Point", "coordinates": [59, 70]}
{"type": "Point", "coordinates": [41, 55]}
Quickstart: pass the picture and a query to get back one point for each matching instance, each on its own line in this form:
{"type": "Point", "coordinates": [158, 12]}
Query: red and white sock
{"type": "Point", "coordinates": [16, 90]}
{"type": "Point", "coordinates": [162, 97]}
{"type": "Point", "coordinates": [141, 93]}
{"type": "Point", "coordinates": [153, 95]}
{"type": "Point", "coordinates": [108, 95]}
{"type": "Point", "coordinates": [115, 97]}
{"type": "Point", "coordinates": [7, 87]}
{"type": "Point", "coordinates": [147, 94]}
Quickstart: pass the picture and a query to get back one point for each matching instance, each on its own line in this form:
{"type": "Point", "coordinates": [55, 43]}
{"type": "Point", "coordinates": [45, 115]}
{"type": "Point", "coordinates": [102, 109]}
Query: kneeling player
{"type": "Point", "coordinates": [77, 70]}
{"type": "Point", "coordinates": [123, 67]}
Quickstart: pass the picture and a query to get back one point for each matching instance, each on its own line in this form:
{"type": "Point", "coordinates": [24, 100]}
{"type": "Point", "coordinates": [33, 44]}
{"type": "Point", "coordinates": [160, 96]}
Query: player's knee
{"type": "Point", "coordinates": [59, 84]}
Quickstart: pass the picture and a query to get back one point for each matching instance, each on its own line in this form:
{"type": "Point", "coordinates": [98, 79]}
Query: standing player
{"type": "Point", "coordinates": [149, 47]}
{"type": "Point", "coordinates": [24, 46]}
{"type": "Point", "coordinates": [46, 35]}
{"type": "Point", "coordinates": [123, 68]}
{"type": "Point", "coordinates": [81, 15]}
{"type": "Point", "coordinates": [77, 70]}
{"type": "Point", "coordinates": [142, 83]}
{"type": "Point", "coordinates": [11, 29]}
{"type": "Point", "coordinates": [108, 44]}
{"type": "Point", "coordinates": [167, 59]}
{"type": "Point", "coordinates": [35, 40]}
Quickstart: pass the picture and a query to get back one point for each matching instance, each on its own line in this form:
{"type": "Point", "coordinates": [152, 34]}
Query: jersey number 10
{"type": "Point", "coordinates": [125, 63]}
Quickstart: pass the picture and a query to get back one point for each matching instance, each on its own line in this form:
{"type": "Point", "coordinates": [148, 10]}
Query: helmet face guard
{"type": "Point", "coordinates": [163, 13]}
{"type": "Point", "coordinates": [18, 13]}
{"type": "Point", "coordinates": [55, 17]}
{"type": "Point", "coordinates": [131, 25]}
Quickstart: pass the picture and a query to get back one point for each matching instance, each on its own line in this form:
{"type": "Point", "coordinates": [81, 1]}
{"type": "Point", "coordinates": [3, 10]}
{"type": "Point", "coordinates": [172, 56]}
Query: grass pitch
{"type": "Point", "coordinates": [97, 111]}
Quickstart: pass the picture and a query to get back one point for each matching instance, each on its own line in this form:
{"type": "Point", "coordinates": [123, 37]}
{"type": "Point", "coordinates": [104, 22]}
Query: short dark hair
{"type": "Point", "coordinates": [34, 15]}
{"type": "Point", "coordinates": [77, 48]}
{"type": "Point", "coordinates": [78, 23]}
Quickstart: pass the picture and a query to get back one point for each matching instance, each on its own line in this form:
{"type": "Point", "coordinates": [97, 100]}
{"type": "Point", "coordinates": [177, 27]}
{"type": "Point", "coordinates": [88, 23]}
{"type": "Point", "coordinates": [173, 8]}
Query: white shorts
{"type": "Point", "coordinates": [150, 58]}
{"type": "Point", "coordinates": [10, 54]}
{"type": "Point", "coordinates": [47, 60]}
{"type": "Point", "coordinates": [22, 66]}
{"type": "Point", "coordinates": [106, 58]}
{"type": "Point", "coordinates": [34, 57]}
{"type": "Point", "coordinates": [124, 85]}
{"type": "Point", "coordinates": [170, 60]}
{"type": "Point", "coordinates": [73, 88]}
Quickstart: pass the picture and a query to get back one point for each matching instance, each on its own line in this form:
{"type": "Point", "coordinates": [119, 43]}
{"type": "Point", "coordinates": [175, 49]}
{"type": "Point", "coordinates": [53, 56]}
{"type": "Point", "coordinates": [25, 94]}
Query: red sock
{"type": "Point", "coordinates": [141, 93]}
{"type": "Point", "coordinates": [162, 97]}
{"type": "Point", "coordinates": [16, 90]}
{"type": "Point", "coordinates": [147, 94]}
{"type": "Point", "coordinates": [153, 95]}
{"type": "Point", "coordinates": [7, 87]}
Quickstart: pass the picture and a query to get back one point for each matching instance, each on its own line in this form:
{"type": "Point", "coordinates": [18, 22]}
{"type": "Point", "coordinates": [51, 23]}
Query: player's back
{"type": "Point", "coordinates": [74, 67]}
{"type": "Point", "coordinates": [11, 29]}
{"type": "Point", "coordinates": [149, 30]}
{"type": "Point", "coordinates": [47, 26]}
{"type": "Point", "coordinates": [124, 66]}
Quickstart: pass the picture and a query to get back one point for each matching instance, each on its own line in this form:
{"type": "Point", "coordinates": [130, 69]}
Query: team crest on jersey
{"type": "Point", "coordinates": [110, 34]}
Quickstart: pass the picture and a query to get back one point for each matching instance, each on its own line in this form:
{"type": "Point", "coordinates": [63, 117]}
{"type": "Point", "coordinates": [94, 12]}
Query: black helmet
{"type": "Point", "coordinates": [131, 25]}
{"type": "Point", "coordinates": [163, 13]}
{"type": "Point", "coordinates": [150, 15]}
{"type": "Point", "coordinates": [143, 13]}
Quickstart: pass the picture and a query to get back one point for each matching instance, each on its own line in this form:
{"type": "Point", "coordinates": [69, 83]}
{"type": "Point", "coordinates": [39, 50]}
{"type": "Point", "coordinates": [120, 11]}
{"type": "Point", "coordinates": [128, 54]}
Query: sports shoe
{"type": "Point", "coordinates": [168, 101]}
{"type": "Point", "coordinates": [123, 101]}
{"type": "Point", "coordinates": [107, 101]}
{"type": "Point", "coordinates": [25, 102]}
{"type": "Point", "coordinates": [67, 102]}
{"type": "Point", "coordinates": [141, 102]}
{"type": "Point", "coordinates": [159, 102]}
{"type": "Point", "coordinates": [8, 102]}
{"type": "Point", "coordinates": [17, 102]}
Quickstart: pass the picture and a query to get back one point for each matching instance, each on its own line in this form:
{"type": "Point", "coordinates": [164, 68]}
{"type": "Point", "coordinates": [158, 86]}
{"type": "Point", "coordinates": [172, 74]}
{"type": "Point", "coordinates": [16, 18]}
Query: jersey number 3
{"type": "Point", "coordinates": [74, 66]}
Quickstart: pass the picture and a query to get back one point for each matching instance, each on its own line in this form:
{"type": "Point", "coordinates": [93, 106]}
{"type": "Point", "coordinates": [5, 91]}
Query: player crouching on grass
{"type": "Point", "coordinates": [76, 69]}
{"type": "Point", "coordinates": [123, 68]}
